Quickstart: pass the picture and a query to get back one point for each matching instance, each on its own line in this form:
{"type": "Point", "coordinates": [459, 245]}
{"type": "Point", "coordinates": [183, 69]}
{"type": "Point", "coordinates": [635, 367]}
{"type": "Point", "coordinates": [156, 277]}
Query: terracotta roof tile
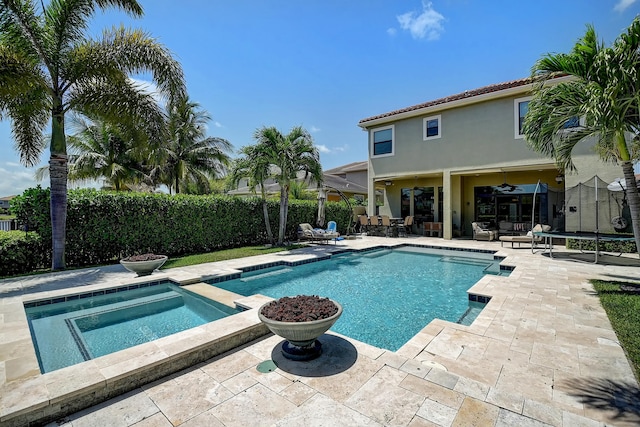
{"type": "Point", "coordinates": [466, 94]}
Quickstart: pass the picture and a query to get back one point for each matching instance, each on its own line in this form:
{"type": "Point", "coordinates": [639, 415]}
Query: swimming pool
{"type": "Point", "coordinates": [388, 295]}
{"type": "Point", "coordinates": [81, 327]}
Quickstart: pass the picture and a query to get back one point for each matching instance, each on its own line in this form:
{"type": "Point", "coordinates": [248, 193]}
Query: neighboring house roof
{"type": "Point", "coordinates": [7, 198]}
{"type": "Point", "coordinates": [350, 167]}
{"type": "Point", "coordinates": [331, 178]}
{"type": "Point", "coordinates": [343, 185]}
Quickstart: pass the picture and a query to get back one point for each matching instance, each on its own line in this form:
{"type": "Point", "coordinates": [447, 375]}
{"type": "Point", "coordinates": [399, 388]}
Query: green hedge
{"type": "Point", "coordinates": [22, 252]}
{"type": "Point", "coordinates": [103, 227]}
{"type": "Point", "coordinates": [628, 247]}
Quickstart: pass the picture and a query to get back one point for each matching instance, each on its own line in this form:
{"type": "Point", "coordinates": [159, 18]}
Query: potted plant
{"type": "Point", "coordinates": [300, 320]}
{"type": "Point", "coordinates": [143, 264]}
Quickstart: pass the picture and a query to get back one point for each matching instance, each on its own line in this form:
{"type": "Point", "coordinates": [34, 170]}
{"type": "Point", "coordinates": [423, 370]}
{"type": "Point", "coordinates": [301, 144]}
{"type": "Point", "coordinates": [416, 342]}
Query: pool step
{"type": "Point", "coordinates": [376, 254]}
{"type": "Point", "coordinates": [466, 261]}
{"type": "Point", "coordinates": [209, 291]}
{"type": "Point", "coordinates": [268, 273]}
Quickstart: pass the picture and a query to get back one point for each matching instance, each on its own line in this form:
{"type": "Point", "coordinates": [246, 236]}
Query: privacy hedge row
{"type": "Point", "coordinates": [103, 227]}
{"type": "Point", "coordinates": [22, 252]}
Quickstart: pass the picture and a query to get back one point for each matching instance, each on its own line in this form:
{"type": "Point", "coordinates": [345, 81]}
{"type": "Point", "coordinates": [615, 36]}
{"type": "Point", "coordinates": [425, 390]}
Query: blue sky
{"type": "Point", "coordinates": [327, 64]}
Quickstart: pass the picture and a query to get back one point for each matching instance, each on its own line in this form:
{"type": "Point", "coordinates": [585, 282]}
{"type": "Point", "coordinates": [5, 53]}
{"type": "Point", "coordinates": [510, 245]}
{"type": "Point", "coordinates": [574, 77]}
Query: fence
{"type": "Point", "coordinates": [7, 225]}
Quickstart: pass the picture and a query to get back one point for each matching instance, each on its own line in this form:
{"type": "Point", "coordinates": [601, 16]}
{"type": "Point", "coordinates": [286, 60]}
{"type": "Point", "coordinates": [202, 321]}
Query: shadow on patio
{"type": "Point", "coordinates": [620, 398]}
{"type": "Point", "coordinates": [337, 356]}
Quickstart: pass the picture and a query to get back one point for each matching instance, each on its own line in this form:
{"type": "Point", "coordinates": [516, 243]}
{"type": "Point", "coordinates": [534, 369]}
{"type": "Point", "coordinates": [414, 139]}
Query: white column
{"type": "Point", "coordinates": [447, 221]}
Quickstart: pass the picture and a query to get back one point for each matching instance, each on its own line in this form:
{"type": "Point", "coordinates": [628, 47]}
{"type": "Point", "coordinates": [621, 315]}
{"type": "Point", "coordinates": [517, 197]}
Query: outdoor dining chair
{"type": "Point", "coordinates": [386, 223]}
{"type": "Point", "coordinates": [364, 223]}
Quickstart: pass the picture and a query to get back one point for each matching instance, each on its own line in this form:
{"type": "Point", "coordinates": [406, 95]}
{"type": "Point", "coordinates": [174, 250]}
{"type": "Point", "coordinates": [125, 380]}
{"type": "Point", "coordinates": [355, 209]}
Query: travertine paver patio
{"type": "Point", "coordinates": [542, 352]}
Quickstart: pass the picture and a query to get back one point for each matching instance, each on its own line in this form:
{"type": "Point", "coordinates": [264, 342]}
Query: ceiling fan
{"type": "Point", "coordinates": [505, 186]}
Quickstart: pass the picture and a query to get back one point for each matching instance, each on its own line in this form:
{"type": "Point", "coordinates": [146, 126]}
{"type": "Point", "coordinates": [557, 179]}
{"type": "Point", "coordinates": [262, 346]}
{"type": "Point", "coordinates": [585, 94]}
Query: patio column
{"type": "Point", "coordinates": [447, 229]}
{"type": "Point", "coordinates": [371, 192]}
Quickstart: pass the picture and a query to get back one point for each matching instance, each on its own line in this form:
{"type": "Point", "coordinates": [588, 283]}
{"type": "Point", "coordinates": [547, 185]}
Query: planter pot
{"type": "Point", "coordinates": [144, 268]}
{"type": "Point", "coordinates": [301, 337]}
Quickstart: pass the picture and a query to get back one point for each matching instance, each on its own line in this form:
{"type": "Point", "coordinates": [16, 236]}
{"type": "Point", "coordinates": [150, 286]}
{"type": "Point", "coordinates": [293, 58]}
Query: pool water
{"type": "Point", "coordinates": [388, 296]}
{"type": "Point", "coordinates": [76, 330]}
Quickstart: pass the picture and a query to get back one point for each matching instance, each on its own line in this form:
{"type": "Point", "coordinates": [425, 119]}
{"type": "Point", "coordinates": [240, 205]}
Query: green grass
{"type": "Point", "coordinates": [621, 301]}
{"type": "Point", "coordinates": [225, 255]}
{"type": "Point", "coordinates": [3, 217]}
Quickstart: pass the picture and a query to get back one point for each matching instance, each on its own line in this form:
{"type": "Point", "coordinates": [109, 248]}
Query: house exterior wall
{"type": "Point", "coordinates": [474, 136]}
{"type": "Point", "coordinates": [478, 146]}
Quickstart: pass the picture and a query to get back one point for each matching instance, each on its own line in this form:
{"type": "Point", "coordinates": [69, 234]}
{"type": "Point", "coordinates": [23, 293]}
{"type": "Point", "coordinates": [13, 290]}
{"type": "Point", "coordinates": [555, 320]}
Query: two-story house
{"type": "Point", "coordinates": [463, 158]}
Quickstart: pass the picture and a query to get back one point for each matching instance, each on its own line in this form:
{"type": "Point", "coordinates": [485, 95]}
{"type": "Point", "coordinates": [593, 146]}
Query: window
{"type": "Point", "coordinates": [521, 106]}
{"type": "Point", "coordinates": [423, 198]}
{"type": "Point", "coordinates": [431, 128]}
{"type": "Point", "coordinates": [382, 141]}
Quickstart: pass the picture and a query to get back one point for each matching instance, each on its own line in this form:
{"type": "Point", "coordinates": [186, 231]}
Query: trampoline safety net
{"type": "Point", "coordinates": [590, 206]}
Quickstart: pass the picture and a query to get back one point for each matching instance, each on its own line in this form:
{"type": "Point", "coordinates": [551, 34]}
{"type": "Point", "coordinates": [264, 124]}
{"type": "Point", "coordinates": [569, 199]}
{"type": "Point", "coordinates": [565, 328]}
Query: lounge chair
{"type": "Point", "coordinates": [480, 233]}
{"type": "Point", "coordinates": [528, 238]}
{"type": "Point", "coordinates": [307, 232]}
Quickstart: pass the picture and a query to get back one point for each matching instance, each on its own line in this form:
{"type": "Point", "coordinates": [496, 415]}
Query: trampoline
{"type": "Point", "coordinates": [597, 237]}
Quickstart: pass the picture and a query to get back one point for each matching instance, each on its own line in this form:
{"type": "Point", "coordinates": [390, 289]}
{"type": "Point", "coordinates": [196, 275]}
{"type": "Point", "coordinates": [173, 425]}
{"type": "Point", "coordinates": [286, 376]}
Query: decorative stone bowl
{"type": "Point", "coordinates": [301, 337]}
{"type": "Point", "coordinates": [144, 268]}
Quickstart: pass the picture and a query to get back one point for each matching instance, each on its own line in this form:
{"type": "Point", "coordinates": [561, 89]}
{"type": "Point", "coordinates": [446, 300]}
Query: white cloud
{"type": "Point", "coordinates": [427, 24]}
{"type": "Point", "coordinates": [391, 31]}
{"type": "Point", "coordinates": [622, 5]}
{"type": "Point", "coordinates": [323, 148]}
{"type": "Point", "coordinates": [15, 179]}
{"type": "Point", "coordinates": [217, 124]}
{"type": "Point", "coordinates": [150, 88]}
{"type": "Point", "coordinates": [314, 129]}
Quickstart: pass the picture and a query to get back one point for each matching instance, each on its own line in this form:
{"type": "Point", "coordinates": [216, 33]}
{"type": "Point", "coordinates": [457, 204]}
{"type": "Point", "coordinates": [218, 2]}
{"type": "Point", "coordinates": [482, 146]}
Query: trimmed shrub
{"type": "Point", "coordinates": [103, 227]}
{"type": "Point", "coordinates": [22, 252]}
{"type": "Point", "coordinates": [606, 246]}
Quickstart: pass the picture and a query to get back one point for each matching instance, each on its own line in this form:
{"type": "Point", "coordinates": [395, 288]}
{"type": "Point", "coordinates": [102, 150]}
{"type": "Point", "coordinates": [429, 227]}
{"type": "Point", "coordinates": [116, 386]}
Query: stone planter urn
{"type": "Point", "coordinates": [300, 320]}
{"type": "Point", "coordinates": [143, 265]}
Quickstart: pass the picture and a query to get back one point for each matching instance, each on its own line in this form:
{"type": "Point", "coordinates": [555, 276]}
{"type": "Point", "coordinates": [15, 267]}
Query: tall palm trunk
{"type": "Point", "coordinates": [58, 171]}
{"type": "Point", "coordinates": [633, 197]}
{"type": "Point", "coordinates": [265, 211]}
{"type": "Point", "coordinates": [284, 206]}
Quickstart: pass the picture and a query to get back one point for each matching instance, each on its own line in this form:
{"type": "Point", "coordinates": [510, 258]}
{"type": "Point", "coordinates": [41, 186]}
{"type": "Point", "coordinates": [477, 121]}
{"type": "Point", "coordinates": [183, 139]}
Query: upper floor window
{"type": "Point", "coordinates": [431, 127]}
{"type": "Point", "coordinates": [521, 106]}
{"type": "Point", "coordinates": [382, 141]}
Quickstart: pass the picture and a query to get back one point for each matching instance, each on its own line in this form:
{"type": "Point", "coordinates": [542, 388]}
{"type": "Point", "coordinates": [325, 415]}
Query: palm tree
{"type": "Point", "coordinates": [256, 167]}
{"type": "Point", "coordinates": [289, 154]}
{"type": "Point", "coordinates": [299, 190]}
{"type": "Point", "coordinates": [189, 155]}
{"type": "Point", "coordinates": [50, 67]}
{"type": "Point", "coordinates": [103, 150]}
{"type": "Point", "coordinates": [603, 92]}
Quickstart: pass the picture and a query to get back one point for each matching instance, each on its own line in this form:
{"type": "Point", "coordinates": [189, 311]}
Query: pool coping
{"type": "Point", "coordinates": [36, 397]}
